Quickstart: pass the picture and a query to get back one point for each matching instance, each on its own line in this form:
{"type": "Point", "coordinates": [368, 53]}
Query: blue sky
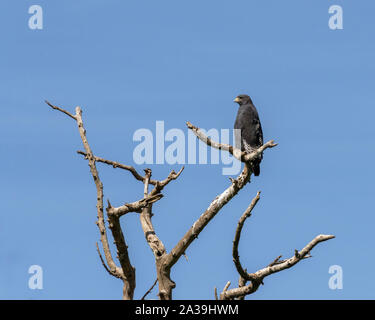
{"type": "Point", "coordinates": [129, 64]}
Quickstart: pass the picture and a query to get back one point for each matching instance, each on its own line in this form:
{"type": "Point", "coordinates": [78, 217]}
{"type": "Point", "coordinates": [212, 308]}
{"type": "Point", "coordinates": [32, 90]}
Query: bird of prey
{"type": "Point", "coordinates": [249, 135]}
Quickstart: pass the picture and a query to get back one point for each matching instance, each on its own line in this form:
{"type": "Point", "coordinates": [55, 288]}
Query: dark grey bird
{"type": "Point", "coordinates": [249, 135]}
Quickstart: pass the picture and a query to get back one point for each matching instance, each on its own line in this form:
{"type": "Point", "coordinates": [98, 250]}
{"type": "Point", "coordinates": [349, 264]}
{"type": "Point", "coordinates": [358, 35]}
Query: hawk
{"type": "Point", "coordinates": [249, 135]}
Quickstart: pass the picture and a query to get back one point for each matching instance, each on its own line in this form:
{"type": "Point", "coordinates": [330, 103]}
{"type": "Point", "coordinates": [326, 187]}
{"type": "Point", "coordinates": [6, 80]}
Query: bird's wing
{"type": "Point", "coordinates": [249, 125]}
{"type": "Point", "coordinates": [259, 132]}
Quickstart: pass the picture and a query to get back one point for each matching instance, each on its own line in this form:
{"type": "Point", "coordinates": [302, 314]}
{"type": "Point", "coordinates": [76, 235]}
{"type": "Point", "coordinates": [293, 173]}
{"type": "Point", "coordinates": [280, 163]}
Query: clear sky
{"type": "Point", "coordinates": [131, 63]}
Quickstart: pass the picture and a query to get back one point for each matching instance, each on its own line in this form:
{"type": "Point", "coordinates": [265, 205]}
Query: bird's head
{"type": "Point", "coordinates": [243, 99]}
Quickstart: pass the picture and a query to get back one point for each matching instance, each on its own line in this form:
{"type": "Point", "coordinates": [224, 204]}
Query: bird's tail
{"type": "Point", "coordinates": [256, 169]}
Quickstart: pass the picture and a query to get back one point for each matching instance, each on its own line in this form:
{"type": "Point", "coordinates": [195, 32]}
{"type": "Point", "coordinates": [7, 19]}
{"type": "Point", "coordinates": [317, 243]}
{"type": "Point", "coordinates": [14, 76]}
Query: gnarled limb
{"type": "Point", "coordinates": [155, 244]}
{"type": "Point", "coordinates": [136, 206]}
{"type": "Point", "coordinates": [164, 261]}
{"type": "Point", "coordinates": [236, 258]}
{"type": "Point", "coordinates": [277, 265]}
{"type": "Point", "coordinates": [116, 164]}
{"type": "Point", "coordinates": [237, 153]}
{"type": "Point", "coordinates": [168, 260]}
{"type": "Point", "coordinates": [144, 207]}
{"type": "Point", "coordinates": [127, 271]}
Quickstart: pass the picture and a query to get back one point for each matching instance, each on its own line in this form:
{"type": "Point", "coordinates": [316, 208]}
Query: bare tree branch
{"type": "Point", "coordinates": [276, 261]}
{"type": "Point", "coordinates": [149, 290]}
{"type": "Point", "coordinates": [237, 153]}
{"type": "Point", "coordinates": [274, 267]}
{"type": "Point", "coordinates": [136, 206]}
{"type": "Point", "coordinates": [60, 109]}
{"type": "Point", "coordinates": [122, 254]}
{"type": "Point", "coordinates": [144, 206]}
{"type": "Point", "coordinates": [165, 261]}
{"type": "Point", "coordinates": [160, 185]}
{"type": "Point", "coordinates": [127, 272]}
{"type": "Point", "coordinates": [241, 283]}
{"type": "Point", "coordinates": [171, 258]}
{"type": "Point", "coordinates": [115, 164]}
{"type": "Point", "coordinates": [224, 290]}
{"type": "Point", "coordinates": [117, 275]}
{"type": "Point", "coordinates": [236, 257]}
{"type": "Point", "coordinates": [155, 244]}
{"type": "Point", "coordinates": [168, 260]}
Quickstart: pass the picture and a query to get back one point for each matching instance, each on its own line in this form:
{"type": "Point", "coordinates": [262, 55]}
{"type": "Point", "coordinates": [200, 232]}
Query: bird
{"type": "Point", "coordinates": [249, 134]}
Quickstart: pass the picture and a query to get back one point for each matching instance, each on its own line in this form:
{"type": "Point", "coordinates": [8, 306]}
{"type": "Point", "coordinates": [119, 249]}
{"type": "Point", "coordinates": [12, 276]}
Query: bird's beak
{"type": "Point", "coordinates": [236, 100]}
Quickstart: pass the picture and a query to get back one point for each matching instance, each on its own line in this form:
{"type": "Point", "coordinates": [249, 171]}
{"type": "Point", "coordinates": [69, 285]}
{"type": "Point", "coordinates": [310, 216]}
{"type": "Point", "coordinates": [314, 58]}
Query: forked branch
{"type": "Point", "coordinates": [165, 261]}
{"type": "Point", "coordinates": [127, 271]}
{"type": "Point", "coordinates": [237, 153]}
{"type": "Point", "coordinates": [277, 265]}
{"type": "Point", "coordinates": [236, 185]}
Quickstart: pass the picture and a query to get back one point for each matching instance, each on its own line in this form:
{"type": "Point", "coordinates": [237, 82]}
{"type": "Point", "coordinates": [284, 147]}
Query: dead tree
{"type": "Point", "coordinates": [164, 261]}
